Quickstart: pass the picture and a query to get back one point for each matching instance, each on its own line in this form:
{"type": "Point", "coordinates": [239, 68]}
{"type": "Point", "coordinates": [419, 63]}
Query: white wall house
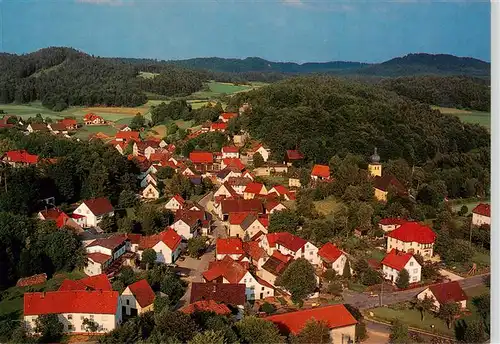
{"type": "Point", "coordinates": [260, 149]}
{"type": "Point", "coordinates": [137, 298]}
{"type": "Point", "coordinates": [166, 244]}
{"type": "Point", "coordinates": [175, 203]}
{"type": "Point", "coordinates": [443, 293]}
{"type": "Point", "coordinates": [186, 230]}
{"type": "Point", "coordinates": [333, 258]}
{"type": "Point", "coordinates": [151, 192]}
{"type": "Point", "coordinates": [92, 211]}
{"type": "Point", "coordinates": [412, 237]}
{"type": "Point", "coordinates": [481, 215]}
{"type": "Point", "coordinates": [289, 244]}
{"type": "Point", "coordinates": [102, 252]}
{"type": "Point", "coordinates": [394, 262]}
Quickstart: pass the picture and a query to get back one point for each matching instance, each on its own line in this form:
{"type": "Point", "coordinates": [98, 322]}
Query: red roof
{"type": "Point", "coordinates": [206, 306]}
{"type": "Point", "coordinates": [264, 220]}
{"type": "Point", "coordinates": [98, 257]}
{"type": "Point", "coordinates": [230, 149]}
{"type": "Point", "coordinates": [128, 135]}
{"type": "Point", "coordinates": [254, 188]}
{"type": "Point", "coordinates": [294, 155]}
{"type": "Point", "coordinates": [392, 221]}
{"type": "Point", "coordinates": [322, 171]}
{"type": "Point", "coordinates": [75, 301]}
{"type": "Point", "coordinates": [288, 240]}
{"type": "Point", "coordinates": [229, 293]}
{"type": "Point", "coordinates": [448, 292]}
{"type": "Point", "coordinates": [99, 206]}
{"type": "Point", "coordinates": [482, 209]}
{"type": "Point", "coordinates": [68, 122]}
{"type": "Point", "coordinates": [133, 238]}
{"type": "Point", "coordinates": [253, 250]}
{"type": "Point", "coordinates": [239, 217]}
{"type": "Point", "coordinates": [218, 126]}
{"type": "Point", "coordinates": [229, 246]}
{"type": "Point", "coordinates": [21, 156]}
{"type": "Point", "coordinates": [270, 205]}
{"type": "Point", "coordinates": [142, 292]}
{"type": "Point", "coordinates": [229, 115]}
{"type": "Point", "coordinates": [32, 280]}
{"type": "Point", "coordinates": [179, 199]}
{"type": "Point", "coordinates": [201, 157]}
{"type": "Point", "coordinates": [168, 237]}
{"type": "Point", "coordinates": [229, 269]}
{"type": "Point", "coordinates": [281, 190]}
{"type": "Point", "coordinates": [330, 252]}
{"type": "Point", "coordinates": [285, 258]}
{"type": "Point", "coordinates": [242, 205]}
{"type": "Point", "coordinates": [234, 162]}
{"type": "Point", "coordinates": [335, 316]}
{"type": "Point", "coordinates": [396, 260]}
{"type": "Point", "coordinates": [413, 232]}
{"type": "Point", "coordinates": [111, 242]}
{"type": "Point", "coordinates": [97, 282]}
{"type": "Point", "coordinates": [91, 117]}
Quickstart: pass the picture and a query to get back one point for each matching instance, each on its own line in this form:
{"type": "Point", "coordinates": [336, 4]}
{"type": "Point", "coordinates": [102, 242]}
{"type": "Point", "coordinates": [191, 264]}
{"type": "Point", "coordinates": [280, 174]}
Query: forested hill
{"type": "Point", "coordinates": [412, 64]}
{"type": "Point", "coordinates": [323, 116]}
{"type": "Point", "coordinates": [61, 77]}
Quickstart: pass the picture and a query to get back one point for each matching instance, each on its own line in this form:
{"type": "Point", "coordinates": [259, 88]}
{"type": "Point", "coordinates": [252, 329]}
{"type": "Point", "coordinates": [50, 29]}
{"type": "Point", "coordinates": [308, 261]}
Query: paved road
{"type": "Point", "coordinates": [365, 300]}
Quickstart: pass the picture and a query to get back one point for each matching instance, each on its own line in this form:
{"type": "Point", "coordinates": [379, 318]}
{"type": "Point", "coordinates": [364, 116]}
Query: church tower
{"type": "Point", "coordinates": [375, 167]}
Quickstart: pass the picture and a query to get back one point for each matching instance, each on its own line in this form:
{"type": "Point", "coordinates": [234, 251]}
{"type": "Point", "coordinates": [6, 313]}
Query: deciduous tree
{"type": "Point", "coordinates": [254, 330]}
{"type": "Point", "coordinates": [299, 279]}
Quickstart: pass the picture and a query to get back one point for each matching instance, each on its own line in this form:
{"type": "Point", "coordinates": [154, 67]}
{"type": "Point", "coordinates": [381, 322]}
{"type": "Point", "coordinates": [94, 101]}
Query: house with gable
{"type": "Point", "coordinates": [226, 191]}
{"type": "Point", "coordinates": [35, 127]}
{"type": "Point", "coordinates": [57, 128]}
{"type": "Point", "coordinates": [189, 223]}
{"type": "Point", "coordinates": [258, 148]}
{"type": "Point", "coordinates": [232, 247]}
{"type": "Point", "coordinates": [320, 172]}
{"type": "Point", "coordinates": [97, 282]}
{"type": "Point", "coordinates": [274, 206]}
{"type": "Point", "coordinates": [289, 244]}
{"type": "Point", "coordinates": [227, 116]}
{"type": "Point", "coordinates": [481, 215]}
{"type": "Point", "coordinates": [253, 190]}
{"type": "Point", "coordinates": [102, 252]}
{"type": "Point", "coordinates": [91, 119]}
{"type": "Point", "coordinates": [69, 123]}
{"type": "Point", "coordinates": [239, 184]}
{"type": "Point", "coordinates": [332, 258]}
{"type": "Point", "coordinates": [283, 192]}
{"type": "Point", "coordinates": [233, 163]}
{"type": "Point", "coordinates": [128, 136]}
{"type": "Point", "coordinates": [151, 192]}
{"type": "Point", "coordinates": [166, 244]}
{"type": "Point", "coordinates": [443, 293]}
{"type": "Point", "coordinates": [175, 203]}
{"type": "Point", "coordinates": [218, 126]}
{"type": "Point", "coordinates": [137, 298]}
{"type": "Point", "coordinates": [235, 221]}
{"type": "Point", "coordinates": [202, 161]}
{"type": "Point", "coordinates": [230, 152]}
{"type": "Point", "coordinates": [412, 237]}
{"type": "Point", "coordinates": [230, 271]}
{"type": "Point", "coordinates": [255, 254]}
{"type": "Point", "coordinates": [150, 178]}
{"type": "Point", "coordinates": [340, 322]}
{"type": "Point", "coordinates": [274, 266]}
{"type": "Point", "coordinates": [253, 224]}
{"type": "Point", "coordinates": [229, 294]}
{"type": "Point", "coordinates": [228, 206]}
{"type": "Point", "coordinates": [92, 211]}
{"type": "Point", "coordinates": [61, 219]}
{"type": "Point", "coordinates": [19, 158]}
{"type": "Point", "coordinates": [390, 224]}
{"type": "Point", "coordinates": [293, 157]}
{"type": "Point", "coordinates": [73, 307]}
{"type": "Point", "coordinates": [395, 261]}
{"type": "Point", "coordinates": [228, 172]}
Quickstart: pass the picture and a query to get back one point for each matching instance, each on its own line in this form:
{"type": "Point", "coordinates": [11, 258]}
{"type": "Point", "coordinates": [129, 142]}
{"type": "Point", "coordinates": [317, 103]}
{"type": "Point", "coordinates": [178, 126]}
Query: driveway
{"type": "Point", "coordinates": [204, 201]}
{"type": "Point", "coordinates": [450, 275]}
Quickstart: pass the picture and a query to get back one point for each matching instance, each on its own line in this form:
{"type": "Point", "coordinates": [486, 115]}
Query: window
{"type": "Point", "coordinates": [245, 280]}
{"type": "Point", "coordinates": [249, 280]}
{"type": "Point", "coordinates": [92, 316]}
{"type": "Point", "coordinates": [262, 288]}
{"type": "Point", "coordinates": [411, 263]}
{"type": "Point", "coordinates": [414, 279]}
{"type": "Point", "coordinates": [128, 302]}
{"type": "Point", "coordinates": [70, 316]}
{"type": "Point", "coordinates": [311, 253]}
{"type": "Point", "coordinates": [415, 271]}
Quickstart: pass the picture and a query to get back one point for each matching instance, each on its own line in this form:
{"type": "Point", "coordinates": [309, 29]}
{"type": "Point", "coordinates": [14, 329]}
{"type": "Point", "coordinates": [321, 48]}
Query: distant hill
{"type": "Point", "coordinates": [412, 64]}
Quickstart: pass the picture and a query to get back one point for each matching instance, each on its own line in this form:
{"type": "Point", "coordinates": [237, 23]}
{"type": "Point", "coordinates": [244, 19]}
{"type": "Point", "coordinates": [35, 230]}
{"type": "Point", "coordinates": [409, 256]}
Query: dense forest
{"type": "Point", "coordinates": [449, 91]}
{"type": "Point", "coordinates": [62, 77]}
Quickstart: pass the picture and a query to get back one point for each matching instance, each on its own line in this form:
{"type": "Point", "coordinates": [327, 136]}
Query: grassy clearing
{"type": "Point", "coordinates": [471, 204]}
{"type": "Point", "coordinates": [270, 181]}
{"type": "Point", "coordinates": [466, 116]}
{"type": "Point", "coordinates": [11, 304]}
{"type": "Point", "coordinates": [83, 133]}
{"type": "Point", "coordinates": [216, 89]}
{"type": "Point", "coordinates": [147, 75]}
{"type": "Point", "coordinates": [327, 206]}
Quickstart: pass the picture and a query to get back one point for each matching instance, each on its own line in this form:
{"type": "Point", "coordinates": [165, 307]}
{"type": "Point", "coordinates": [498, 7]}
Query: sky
{"type": "Point", "coordinates": [277, 30]}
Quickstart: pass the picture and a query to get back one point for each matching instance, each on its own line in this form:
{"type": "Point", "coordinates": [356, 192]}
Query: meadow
{"type": "Point", "coordinates": [466, 116]}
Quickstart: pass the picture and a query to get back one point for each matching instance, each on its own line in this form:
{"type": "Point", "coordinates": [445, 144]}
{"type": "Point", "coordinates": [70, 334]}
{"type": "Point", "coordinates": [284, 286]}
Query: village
{"type": "Point", "coordinates": [231, 246]}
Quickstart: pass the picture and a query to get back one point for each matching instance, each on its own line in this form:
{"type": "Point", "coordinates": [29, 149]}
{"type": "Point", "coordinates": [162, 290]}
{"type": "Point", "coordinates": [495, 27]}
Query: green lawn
{"type": "Point", "coordinates": [270, 181]}
{"type": "Point", "coordinates": [471, 204]}
{"type": "Point", "coordinates": [327, 206]}
{"type": "Point", "coordinates": [216, 89]}
{"type": "Point", "coordinates": [466, 116]}
{"type": "Point", "coordinates": [11, 304]}
{"type": "Point", "coordinates": [84, 132]}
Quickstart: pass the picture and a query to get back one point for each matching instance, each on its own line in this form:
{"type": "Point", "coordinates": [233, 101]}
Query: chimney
{"type": "Point", "coordinates": [43, 295]}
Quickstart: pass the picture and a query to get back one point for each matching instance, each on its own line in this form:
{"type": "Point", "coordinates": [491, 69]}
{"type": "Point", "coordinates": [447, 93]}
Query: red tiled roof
{"type": "Point", "coordinates": [51, 214]}
{"type": "Point", "coordinates": [111, 242]}
{"type": "Point", "coordinates": [142, 292]}
{"type": "Point", "coordinates": [253, 250]}
{"type": "Point", "coordinates": [97, 282]}
{"type": "Point", "coordinates": [201, 157]}
{"type": "Point", "coordinates": [288, 240]}
{"type": "Point", "coordinates": [57, 302]}
{"type": "Point", "coordinates": [263, 282]}
{"type": "Point", "coordinates": [264, 220]}
{"type": "Point", "coordinates": [330, 252]}
{"type": "Point", "coordinates": [206, 306]}
{"type": "Point", "coordinates": [294, 155]}
{"type": "Point", "coordinates": [218, 126]}
{"type": "Point", "coordinates": [168, 237]}
{"type": "Point", "coordinates": [229, 293]}
{"type": "Point", "coordinates": [383, 183]}
{"type": "Point", "coordinates": [128, 135]}
{"type": "Point", "coordinates": [392, 221]}
{"type": "Point", "coordinates": [254, 188]}
{"type": "Point", "coordinates": [234, 162]}
{"type": "Point", "coordinates": [229, 246]}
{"type": "Point", "coordinates": [482, 209]}
{"type": "Point", "coordinates": [133, 238]}
{"type": "Point", "coordinates": [229, 115]}
{"type": "Point", "coordinates": [322, 171]}
{"type": "Point", "coordinates": [281, 190]}
{"type": "Point", "coordinates": [230, 149]}
{"type": "Point", "coordinates": [91, 117]}
{"type": "Point", "coordinates": [335, 316]}
{"type": "Point", "coordinates": [98, 257]}
{"type": "Point", "coordinates": [189, 216]}
{"type": "Point", "coordinates": [277, 263]}
{"type": "Point", "coordinates": [258, 236]}
{"type": "Point", "coordinates": [413, 232]}
{"type": "Point", "coordinates": [239, 217]}
{"type": "Point", "coordinates": [32, 280]}
{"type": "Point", "coordinates": [242, 205]}
{"type": "Point", "coordinates": [448, 292]}
{"type": "Point", "coordinates": [68, 122]}
{"type": "Point", "coordinates": [270, 205]}
{"type": "Point", "coordinates": [57, 126]}
{"type": "Point", "coordinates": [99, 206]}
{"type": "Point", "coordinates": [21, 156]}
{"type": "Point", "coordinates": [229, 269]}
{"type": "Point", "coordinates": [396, 260]}
{"type": "Point", "coordinates": [179, 199]}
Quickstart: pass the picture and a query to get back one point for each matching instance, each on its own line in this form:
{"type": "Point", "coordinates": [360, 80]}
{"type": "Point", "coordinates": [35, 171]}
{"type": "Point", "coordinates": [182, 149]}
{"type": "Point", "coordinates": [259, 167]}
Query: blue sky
{"type": "Point", "coordinates": [278, 30]}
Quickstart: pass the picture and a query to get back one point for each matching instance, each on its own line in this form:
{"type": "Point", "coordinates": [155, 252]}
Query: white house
{"type": "Point", "coordinates": [188, 223]}
{"type": "Point", "coordinates": [166, 244]}
{"type": "Point", "coordinates": [151, 192]}
{"type": "Point", "coordinates": [444, 293]}
{"type": "Point", "coordinates": [394, 262]}
{"type": "Point", "coordinates": [102, 252]}
{"type": "Point", "coordinates": [232, 247]}
{"type": "Point", "coordinates": [73, 307]}
{"type": "Point", "coordinates": [137, 298]}
{"type": "Point", "coordinates": [230, 152]}
{"type": "Point", "coordinates": [92, 211]}
{"type": "Point", "coordinates": [175, 203]}
{"type": "Point", "coordinates": [289, 244]}
{"type": "Point", "coordinates": [259, 149]}
{"type": "Point", "coordinates": [481, 215]}
{"type": "Point", "coordinates": [412, 237]}
{"type": "Point", "coordinates": [333, 258]}
{"type": "Point", "coordinates": [230, 271]}
{"type": "Point", "coordinates": [390, 224]}
{"type": "Point", "coordinates": [149, 179]}
{"type": "Point", "coordinates": [273, 206]}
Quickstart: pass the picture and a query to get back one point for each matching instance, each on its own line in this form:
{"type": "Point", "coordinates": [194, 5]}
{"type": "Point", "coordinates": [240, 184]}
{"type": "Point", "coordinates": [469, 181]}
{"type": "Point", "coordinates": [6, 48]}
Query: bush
{"type": "Point", "coordinates": [268, 308]}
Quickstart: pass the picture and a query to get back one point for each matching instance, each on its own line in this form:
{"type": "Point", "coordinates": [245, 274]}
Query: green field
{"type": "Point", "coordinates": [413, 319]}
{"type": "Point", "coordinates": [11, 304]}
{"type": "Point", "coordinates": [84, 132]}
{"type": "Point", "coordinates": [471, 204]}
{"type": "Point", "coordinates": [216, 89]}
{"type": "Point", "coordinates": [473, 117]}
{"type": "Point", "coordinates": [327, 206]}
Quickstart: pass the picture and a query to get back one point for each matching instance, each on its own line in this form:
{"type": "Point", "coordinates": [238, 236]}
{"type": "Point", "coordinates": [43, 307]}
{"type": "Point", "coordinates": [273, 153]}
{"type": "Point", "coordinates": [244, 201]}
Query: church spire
{"type": "Point", "coordinates": [375, 158]}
